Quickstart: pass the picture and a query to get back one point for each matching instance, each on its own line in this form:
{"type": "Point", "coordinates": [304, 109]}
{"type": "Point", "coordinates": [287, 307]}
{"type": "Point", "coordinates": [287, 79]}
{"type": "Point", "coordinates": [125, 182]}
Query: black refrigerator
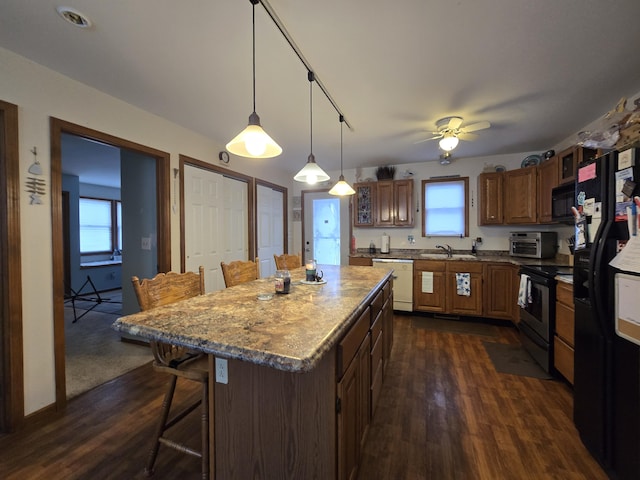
{"type": "Point", "coordinates": [606, 366]}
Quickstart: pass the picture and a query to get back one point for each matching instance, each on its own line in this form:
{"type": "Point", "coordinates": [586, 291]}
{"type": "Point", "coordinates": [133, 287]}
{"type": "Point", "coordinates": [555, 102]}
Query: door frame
{"type": "Point", "coordinates": [285, 210]}
{"type": "Point", "coordinates": [163, 200]}
{"type": "Point", "coordinates": [11, 363]}
{"type": "Point", "coordinates": [185, 160]}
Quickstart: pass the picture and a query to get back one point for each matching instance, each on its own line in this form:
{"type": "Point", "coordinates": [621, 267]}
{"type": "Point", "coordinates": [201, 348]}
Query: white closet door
{"type": "Point", "coordinates": [270, 228]}
{"type": "Point", "coordinates": [216, 222]}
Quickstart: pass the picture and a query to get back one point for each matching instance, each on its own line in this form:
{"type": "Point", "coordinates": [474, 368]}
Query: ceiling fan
{"type": "Point", "coordinates": [449, 131]}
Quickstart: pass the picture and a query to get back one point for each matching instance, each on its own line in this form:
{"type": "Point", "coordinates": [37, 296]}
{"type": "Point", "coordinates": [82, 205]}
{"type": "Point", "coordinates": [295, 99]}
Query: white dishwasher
{"type": "Point", "coordinates": [402, 281]}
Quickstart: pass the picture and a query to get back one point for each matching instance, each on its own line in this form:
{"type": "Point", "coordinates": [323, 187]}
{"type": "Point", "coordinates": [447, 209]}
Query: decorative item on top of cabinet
{"type": "Point", "coordinates": [387, 203]}
{"type": "Point", "coordinates": [491, 210]}
{"type": "Point", "coordinates": [563, 340]}
{"type": "Point", "coordinates": [547, 181]}
{"type": "Point", "coordinates": [520, 188]}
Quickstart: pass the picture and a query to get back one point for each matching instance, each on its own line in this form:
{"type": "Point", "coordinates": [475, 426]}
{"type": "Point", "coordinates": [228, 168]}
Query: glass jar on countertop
{"type": "Point", "coordinates": [282, 281]}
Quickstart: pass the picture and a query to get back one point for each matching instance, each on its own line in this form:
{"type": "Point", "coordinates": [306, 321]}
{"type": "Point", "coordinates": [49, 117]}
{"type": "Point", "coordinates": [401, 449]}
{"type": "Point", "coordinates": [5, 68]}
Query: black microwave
{"type": "Point", "coordinates": [563, 198]}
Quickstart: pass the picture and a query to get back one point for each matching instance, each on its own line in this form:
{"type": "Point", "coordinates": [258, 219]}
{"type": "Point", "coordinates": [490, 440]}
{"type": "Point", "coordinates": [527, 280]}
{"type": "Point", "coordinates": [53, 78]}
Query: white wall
{"type": "Point", "coordinates": [39, 94]}
{"type": "Point", "coordinates": [493, 237]}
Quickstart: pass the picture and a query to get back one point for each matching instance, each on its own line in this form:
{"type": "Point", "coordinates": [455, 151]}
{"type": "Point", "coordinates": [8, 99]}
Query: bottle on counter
{"type": "Point", "coordinates": [372, 247]}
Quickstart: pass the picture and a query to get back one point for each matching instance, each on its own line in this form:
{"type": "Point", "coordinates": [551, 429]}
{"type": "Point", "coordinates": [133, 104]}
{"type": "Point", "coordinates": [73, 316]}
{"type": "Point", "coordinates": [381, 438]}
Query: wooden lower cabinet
{"type": "Point", "coordinates": [435, 287]}
{"type": "Point", "coordinates": [563, 340]}
{"type": "Point", "coordinates": [501, 291]}
{"type": "Point", "coordinates": [362, 354]}
{"type": "Point", "coordinates": [429, 285]}
{"type": "Point", "coordinates": [461, 304]}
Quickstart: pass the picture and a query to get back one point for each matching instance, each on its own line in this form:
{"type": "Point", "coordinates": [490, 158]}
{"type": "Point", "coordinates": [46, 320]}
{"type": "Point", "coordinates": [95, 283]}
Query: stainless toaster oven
{"type": "Point", "coordinates": [533, 244]}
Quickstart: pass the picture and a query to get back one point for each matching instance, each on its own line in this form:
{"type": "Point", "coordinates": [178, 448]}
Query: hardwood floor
{"type": "Point", "coordinates": [444, 413]}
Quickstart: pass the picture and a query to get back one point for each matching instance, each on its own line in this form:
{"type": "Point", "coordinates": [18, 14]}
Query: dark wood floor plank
{"type": "Point", "coordinates": [444, 413]}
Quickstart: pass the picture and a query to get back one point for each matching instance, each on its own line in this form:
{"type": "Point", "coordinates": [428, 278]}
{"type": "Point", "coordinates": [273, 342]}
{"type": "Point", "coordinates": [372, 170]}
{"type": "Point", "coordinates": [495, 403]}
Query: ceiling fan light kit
{"type": "Point", "coordinates": [448, 142]}
{"type": "Point", "coordinates": [253, 141]}
{"type": "Point", "coordinates": [450, 131]}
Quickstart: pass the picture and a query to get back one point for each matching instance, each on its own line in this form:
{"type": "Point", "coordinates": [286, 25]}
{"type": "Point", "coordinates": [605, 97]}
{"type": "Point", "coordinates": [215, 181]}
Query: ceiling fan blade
{"type": "Point", "coordinates": [474, 127]}
{"type": "Point", "coordinates": [454, 123]}
{"type": "Point", "coordinates": [427, 139]}
{"type": "Point", "coordinates": [467, 137]}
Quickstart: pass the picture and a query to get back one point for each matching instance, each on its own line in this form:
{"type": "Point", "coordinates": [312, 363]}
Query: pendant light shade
{"type": "Point", "coordinates": [341, 188]}
{"type": "Point", "coordinates": [448, 142]}
{"type": "Point", "coordinates": [311, 173]}
{"type": "Point", "coordinates": [253, 141]}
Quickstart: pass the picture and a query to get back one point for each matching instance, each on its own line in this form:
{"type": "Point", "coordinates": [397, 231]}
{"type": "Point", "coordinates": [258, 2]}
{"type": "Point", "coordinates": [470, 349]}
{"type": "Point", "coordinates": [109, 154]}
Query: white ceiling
{"type": "Point", "coordinates": [539, 71]}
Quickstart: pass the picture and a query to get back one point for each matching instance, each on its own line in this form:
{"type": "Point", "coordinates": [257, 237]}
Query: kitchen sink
{"type": "Point", "coordinates": [443, 256]}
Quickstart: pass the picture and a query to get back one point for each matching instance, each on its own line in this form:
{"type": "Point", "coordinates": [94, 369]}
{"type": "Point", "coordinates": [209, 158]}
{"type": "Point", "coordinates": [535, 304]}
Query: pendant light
{"type": "Point", "coordinates": [311, 173]}
{"type": "Point", "coordinates": [341, 188]}
{"type": "Point", "coordinates": [253, 141]}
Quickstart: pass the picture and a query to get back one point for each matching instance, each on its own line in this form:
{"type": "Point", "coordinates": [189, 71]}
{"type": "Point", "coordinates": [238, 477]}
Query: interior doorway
{"type": "Point", "coordinates": [325, 232]}
{"type": "Point", "coordinates": [162, 259]}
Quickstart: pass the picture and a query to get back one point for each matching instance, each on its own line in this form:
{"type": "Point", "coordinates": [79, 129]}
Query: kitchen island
{"type": "Point", "coordinates": [303, 372]}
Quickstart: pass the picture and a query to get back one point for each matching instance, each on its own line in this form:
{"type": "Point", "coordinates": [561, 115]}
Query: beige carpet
{"type": "Point", "coordinates": [94, 352]}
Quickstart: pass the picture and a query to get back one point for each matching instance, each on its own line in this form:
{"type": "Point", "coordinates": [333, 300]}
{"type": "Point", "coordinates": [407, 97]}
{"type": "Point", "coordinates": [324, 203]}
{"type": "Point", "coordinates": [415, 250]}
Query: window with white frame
{"type": "Point", "coordinates": [100, 225]}
{"type": "Point", "coordinates": [445, 211]}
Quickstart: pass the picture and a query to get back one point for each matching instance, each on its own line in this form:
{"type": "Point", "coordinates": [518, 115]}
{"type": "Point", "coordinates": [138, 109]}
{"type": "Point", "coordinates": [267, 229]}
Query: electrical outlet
{"type": "Point", "coordinates": [222, 374]}
{"type": "Point", "coordinates": [146, 243]}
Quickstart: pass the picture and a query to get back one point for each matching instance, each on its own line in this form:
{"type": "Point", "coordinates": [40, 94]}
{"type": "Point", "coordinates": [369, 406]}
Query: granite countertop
{"type": "Point", "coordinates": [565, 278]}
{"type": "Point", "coordinates": [289, 332]}
{"type": "Point", "coordinates": [481, 256]}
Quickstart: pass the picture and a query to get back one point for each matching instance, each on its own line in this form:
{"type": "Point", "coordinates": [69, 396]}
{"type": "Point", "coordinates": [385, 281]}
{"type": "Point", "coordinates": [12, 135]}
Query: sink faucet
{"type": "Point", "coordinates": [447, 249]}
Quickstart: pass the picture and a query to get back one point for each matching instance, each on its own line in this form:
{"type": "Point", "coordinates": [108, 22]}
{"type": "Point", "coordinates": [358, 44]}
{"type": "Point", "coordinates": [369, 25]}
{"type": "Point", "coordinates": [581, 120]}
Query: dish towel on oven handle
{"type": "Point", "coordinates": [524, 292]}
{"type": "Point", "coordinates": [463, 284]}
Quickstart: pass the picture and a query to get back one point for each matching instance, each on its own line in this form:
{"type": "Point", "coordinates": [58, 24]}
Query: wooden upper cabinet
{"type": "Point", "coordinates": [520, 188]}
{"type": "Point", "coordinates": [491, 210]}
{"type": "Point", "coordinates": [547, 180]}
{"type": "Point", "coordinates": [385, 208]}
{"type": "Point", "coordinates": [386, 203]}
{"type": "Point", "coordinates": [403, 199]}
{"type": "Point", "coordinates": [568, 161]}
{"type": "Point", "coordinates": [363, 204]}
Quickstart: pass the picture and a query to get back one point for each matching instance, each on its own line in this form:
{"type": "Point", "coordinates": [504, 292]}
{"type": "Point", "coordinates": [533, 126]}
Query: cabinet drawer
{"type": "Point", "coordinates": [564, 293]}
{"type": "Point", "coordinates": [360, 261]}
{"type": "Point", "coordinates": [565, 323]}
{"type": "Point", "coordinates": [455, 266]}
{"type": "Point", "coordinates": [349, 345]}
{"type": "Point", "coordinates": [376, 305]}
{"type": "Point", "coordinates": [429, 265]}
{"type": "Point", "coordinates": [563, 355]}
{"type": "Point", "coordinates": [376, 328]}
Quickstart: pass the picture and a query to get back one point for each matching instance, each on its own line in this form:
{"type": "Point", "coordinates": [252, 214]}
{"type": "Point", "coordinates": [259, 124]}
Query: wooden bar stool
{"type": "Point", "coordinates": [287, 262]}
{"type": "Point", "coordinates": [240, 271]}
{"type": "Point", "coordinates": [176, 361]}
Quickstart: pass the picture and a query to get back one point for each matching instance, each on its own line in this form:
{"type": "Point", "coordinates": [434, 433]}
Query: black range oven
{"type": "Point", "coordinates": [537, 317]}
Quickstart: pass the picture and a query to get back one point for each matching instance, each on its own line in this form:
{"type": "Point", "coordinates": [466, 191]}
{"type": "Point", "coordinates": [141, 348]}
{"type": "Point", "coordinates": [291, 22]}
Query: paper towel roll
{"type": "Point", "coordinates": [384, 248]}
